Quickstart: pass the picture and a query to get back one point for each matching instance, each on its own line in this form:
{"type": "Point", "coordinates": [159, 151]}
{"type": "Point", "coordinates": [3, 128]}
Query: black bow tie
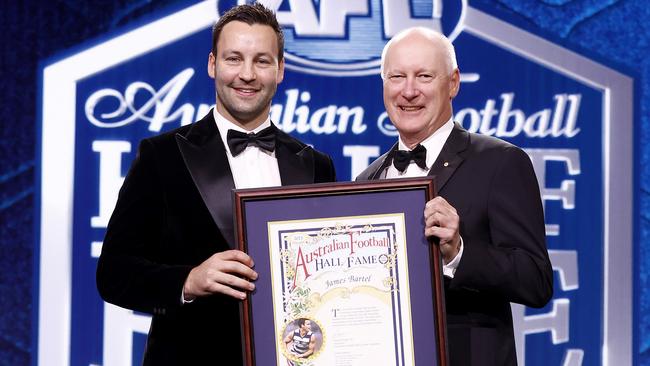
{"type": "Point", "coordinates": [238, 141]}
{"type": "Point", "coordinates": [402, 158]}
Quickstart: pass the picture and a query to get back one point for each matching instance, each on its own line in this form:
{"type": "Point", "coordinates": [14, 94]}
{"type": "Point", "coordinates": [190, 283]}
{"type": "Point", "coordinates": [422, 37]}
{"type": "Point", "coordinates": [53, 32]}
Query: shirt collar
{"type": "Point", "coordinates": [434, 142]}
{"type": "Point", "coordinates": [223, 124]}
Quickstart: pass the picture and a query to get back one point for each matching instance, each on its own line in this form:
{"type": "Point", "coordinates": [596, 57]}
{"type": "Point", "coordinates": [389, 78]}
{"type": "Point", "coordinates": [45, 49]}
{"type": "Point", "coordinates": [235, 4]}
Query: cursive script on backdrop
{"type": "Point", "coordinates": [156, 109]}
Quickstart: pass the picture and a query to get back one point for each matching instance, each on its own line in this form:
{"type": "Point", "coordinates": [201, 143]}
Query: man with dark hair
{"type": "Point", "coordinates": [254, 14]}
{"type": "Point", "coordinates": [487, 220]}
{"type": "Point", "coordinates": [169, 245]}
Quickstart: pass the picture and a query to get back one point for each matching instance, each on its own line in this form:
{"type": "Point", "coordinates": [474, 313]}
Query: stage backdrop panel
{"type": "Point", "coordinates": [571, 114]}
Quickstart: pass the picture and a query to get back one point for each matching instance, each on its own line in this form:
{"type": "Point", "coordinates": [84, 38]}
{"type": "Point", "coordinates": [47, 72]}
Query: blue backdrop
{"type": "Point", "coordinates": [614, 33]}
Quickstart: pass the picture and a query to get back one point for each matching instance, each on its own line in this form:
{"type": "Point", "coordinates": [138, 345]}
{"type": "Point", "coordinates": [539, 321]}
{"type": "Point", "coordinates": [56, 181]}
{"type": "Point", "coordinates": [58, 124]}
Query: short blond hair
{"type": "Point", "coordinates": [430, 34]}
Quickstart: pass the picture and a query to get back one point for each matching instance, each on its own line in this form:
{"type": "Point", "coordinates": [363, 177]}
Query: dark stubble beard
{"type": "Point", "coordinates": [246, 116]}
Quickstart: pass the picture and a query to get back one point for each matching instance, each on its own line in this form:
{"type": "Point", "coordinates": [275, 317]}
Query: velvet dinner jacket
{"type": "Point", "coordinates": [173, 212]}
{"type": "Point", "coordinates": [493, 187]}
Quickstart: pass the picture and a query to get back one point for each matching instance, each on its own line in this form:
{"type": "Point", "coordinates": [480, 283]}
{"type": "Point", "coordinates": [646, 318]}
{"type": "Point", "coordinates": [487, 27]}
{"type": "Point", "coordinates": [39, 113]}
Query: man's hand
{"type": "Point", "coordinates": [442, 221]}
{"type": "Point", "coordinates": [226, 272]}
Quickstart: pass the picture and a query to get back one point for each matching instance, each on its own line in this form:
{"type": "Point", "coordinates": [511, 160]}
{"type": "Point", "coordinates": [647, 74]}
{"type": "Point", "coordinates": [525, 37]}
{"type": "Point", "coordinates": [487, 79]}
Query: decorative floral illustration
{"type": "Point", "coordinates": [389, 282]}
{"type": "Point", "coordinates": [297, 302]}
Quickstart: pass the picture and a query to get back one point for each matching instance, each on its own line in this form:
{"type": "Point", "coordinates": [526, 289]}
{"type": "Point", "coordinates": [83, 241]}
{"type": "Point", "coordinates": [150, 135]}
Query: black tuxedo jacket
{"type": "Point", "coordinates": [173, 212]}
{"type": "Point", "coordinates": [492, 185]}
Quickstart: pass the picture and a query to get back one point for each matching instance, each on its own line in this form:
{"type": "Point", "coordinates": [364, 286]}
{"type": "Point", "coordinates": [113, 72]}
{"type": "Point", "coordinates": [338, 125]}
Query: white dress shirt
{"type": "Point", "coordinates": [253, 167]}
{"type": "Point", "coordinates": [433, 144]}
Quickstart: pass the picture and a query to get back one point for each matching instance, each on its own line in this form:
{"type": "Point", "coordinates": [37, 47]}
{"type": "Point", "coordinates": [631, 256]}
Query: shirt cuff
{"type": "Point", "coordinates": [449, 269]}
{"type": "Point", "coordinates": [183, 301]}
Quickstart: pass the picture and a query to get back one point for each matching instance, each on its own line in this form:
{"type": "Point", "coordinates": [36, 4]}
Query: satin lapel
{"type": "Point", "coordinates": [205, 158]}
{"type": "Point", "coordinates": [295, 162]}
{"type": "Point", "coordinates": [382, 164]}
{"type": "Point", "coordinates": [450, 158]}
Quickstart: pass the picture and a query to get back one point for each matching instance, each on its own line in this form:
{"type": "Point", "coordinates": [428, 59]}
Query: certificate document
{"type": "Point", "coordinates": [340, 290]}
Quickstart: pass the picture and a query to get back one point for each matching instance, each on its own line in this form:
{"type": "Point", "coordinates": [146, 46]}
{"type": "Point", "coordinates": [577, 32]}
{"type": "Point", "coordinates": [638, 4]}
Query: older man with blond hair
{"type": "Point", "coordinates": [487, 219]}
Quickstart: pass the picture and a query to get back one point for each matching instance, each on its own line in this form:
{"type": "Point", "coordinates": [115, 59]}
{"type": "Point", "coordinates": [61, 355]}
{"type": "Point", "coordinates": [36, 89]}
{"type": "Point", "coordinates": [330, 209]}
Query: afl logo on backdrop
{"type": "Point", "coordinates": [345, 38]}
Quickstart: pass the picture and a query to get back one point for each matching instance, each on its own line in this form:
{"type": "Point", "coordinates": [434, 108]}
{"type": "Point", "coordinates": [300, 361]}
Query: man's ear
{"type": "Point", "coordinates": [280, 76]}
{"type": "Point", "coordinates": [212, 61]}
{"type": "Point", "coordinates": [454, 83]}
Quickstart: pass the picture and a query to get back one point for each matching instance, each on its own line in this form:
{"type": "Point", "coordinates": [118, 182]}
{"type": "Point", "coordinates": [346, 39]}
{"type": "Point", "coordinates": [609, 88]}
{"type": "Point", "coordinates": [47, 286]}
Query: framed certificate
{"type": "Point", "coordinates": [346, 275]}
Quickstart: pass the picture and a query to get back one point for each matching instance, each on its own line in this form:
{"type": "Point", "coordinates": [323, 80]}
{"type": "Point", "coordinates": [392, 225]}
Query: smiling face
{"type": "Point", "coordinates": [246, 71]}
{"type": "Point", "coordinates": [419, 85]}
{"type": "Point", "coordinates": [306, 326]}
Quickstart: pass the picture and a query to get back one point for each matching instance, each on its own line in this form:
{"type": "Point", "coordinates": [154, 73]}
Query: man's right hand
{"type": "Point", "coordinates": [226, 273]}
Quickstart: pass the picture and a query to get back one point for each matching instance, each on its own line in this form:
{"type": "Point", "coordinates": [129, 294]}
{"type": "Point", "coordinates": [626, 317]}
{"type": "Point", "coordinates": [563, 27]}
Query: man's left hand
{"type": "Point", "coordinates": [442, 221]}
